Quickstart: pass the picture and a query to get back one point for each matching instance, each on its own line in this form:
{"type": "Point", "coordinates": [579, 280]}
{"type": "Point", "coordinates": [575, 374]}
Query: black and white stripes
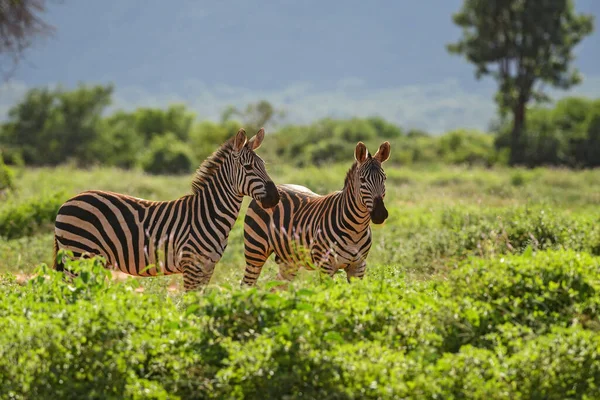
{"type": "Point", "coordinates": [187, 235]}
{"type": "Point", "coordinates": [329, 232]}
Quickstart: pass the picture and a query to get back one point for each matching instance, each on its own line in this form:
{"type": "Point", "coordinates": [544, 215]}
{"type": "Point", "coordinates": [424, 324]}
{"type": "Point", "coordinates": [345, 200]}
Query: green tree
{"type": "Point", "coordinates": [119, 144]}
{"type": "Point", "coordinates": [591, 144]}
{"type": "Point", "coordinates": [77, 121]}
{"type": "Point", "coordinates": [559, 135]}
{"type": "Point", "coordinates": [176, 119]}
{"type": "Point", "coordinates": [255, 116]}
{"type": "Point", "coordinates": [207, 136]}
{"type": "Point", "coordinates": [522, 44]}
{"type": "Point", "coordinates": [26, 123]}
{"type": "Point", "coordinates": [168, 155]}
{"type": "Point", "coordinates": [50, 126]}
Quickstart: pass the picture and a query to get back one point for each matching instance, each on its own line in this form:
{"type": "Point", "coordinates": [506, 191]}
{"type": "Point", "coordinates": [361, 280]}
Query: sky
{"type": "Point", "coordinates": [311, 58]}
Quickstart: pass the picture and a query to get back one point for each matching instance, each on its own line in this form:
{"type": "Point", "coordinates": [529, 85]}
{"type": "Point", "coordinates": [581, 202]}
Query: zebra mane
{"type": "Point", "coordinates": [350, 174]}
{"type": "Point", "coordinates": [211, 165]}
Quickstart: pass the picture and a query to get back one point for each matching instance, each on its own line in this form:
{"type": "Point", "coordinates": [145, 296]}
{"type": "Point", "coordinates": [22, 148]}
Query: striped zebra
{"type": "Point", "coordinates": [184, 236]}
{"type": "Point", "coordinates": [330, 232]}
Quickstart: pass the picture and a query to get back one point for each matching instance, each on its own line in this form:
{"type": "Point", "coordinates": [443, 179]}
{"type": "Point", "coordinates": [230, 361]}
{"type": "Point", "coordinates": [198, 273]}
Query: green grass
{"type": "Point", "coordinates": [437, 214]}
{"type": "Point", "coordinates": [483, 283]}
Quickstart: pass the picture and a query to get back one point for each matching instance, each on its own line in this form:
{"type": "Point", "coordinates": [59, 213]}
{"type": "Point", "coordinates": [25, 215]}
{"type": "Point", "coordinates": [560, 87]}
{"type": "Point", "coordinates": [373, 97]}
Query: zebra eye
{"type": "Point", "coordinates": [248, 167]}
{"type": "Point", "coordinates": [362, 179]}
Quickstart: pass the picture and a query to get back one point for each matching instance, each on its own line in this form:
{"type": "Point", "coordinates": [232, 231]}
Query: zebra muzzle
{"type": "Point", "coordinates": [271, 198]}
{"type": "Point", "coordinates": [379, 213]}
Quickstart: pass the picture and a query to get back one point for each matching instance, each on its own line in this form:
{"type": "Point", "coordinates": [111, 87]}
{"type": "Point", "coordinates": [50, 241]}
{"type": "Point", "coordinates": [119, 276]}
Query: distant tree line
{"type": "Point", "coordinates": [56, 126]}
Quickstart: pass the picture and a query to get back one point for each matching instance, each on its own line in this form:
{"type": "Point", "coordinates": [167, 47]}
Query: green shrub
{"type": "Point", "coordinates": [467, 147]}
{"type": "Point", "coordinates": [119, 144]}
{"type": "Point", "coordinates": [22, 219]}
{"type": "Point", "coordinates": [7, 176]}
{"type": "Point", "coordinates": [207, 136]}
{"type": "Point", "coordinates": [532, 291]}
{"type": "Point", "coordinates": [168, 155]}
{"type": "Point", "coordinates": [471, 373]}
{"type": "Point", "coordinates": [518, 326]}
{"type": "Point", "coordinates": [564, 364]}
{"type": "Point", "coordinates": [514, 229]}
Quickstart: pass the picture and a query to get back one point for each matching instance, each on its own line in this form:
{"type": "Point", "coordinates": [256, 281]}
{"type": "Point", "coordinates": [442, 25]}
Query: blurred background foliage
{"type": "Point", "coordinates": [57, 126]}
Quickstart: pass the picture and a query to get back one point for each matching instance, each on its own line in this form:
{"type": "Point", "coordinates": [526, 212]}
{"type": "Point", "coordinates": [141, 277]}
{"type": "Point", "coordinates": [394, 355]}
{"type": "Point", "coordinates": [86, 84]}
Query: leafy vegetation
{"type": "Point", "coordinates": [568, 134]}
{"type": "Point", "coordinates": [482, 284]}
{"type": "Point", "coordinates": [24, 219]}
{"type": "Point", "coordinates": [437, 214]}
{"type": "Point", "coordinates": [522, 44]}
{"type": "Point", "coordinates": [54, 127]}
{"type": "Point", "coordinates": [6, 177]}
{"type": "Point", "coordinates": [383, 337]}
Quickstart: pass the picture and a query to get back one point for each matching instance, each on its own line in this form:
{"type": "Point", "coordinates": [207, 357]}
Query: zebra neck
{"type": "Point", "coordinates": [218, 203]}
{"type": "Point", "coordinates": [353, 215]}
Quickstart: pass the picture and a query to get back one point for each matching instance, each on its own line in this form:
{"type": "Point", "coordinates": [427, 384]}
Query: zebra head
{"type": "Point", "coordinates": [371, 180]}
{"type": "Point", "coordinates": [251, 176]}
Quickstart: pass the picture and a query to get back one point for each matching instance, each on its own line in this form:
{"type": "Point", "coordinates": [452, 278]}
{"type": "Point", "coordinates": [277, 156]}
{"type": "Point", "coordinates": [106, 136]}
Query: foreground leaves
{"type": "Point", "coordinates": [511, 327]}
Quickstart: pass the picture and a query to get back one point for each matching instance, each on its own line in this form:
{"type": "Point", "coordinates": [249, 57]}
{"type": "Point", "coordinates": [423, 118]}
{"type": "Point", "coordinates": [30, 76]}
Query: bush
{"type": "Point", "coordinates": [207, 136]}
{"type": "Point", "coordinates": [508, 298]}
{"type": "Point", "coordinates": [564, 364]}
{"type": "Point", "coordinates": [330, 140]}
{"type": "Point", "coordinates": [6, 177]}
{"type": "Point", "coordinates": [167, 155]}
{"type": "Point", "coordinates": [119, 144]}
{"type": "Point", "coordinates": [467, 147]}
{"type": "Point", "coordinates": [513, 327]}
{"type": "Point", "coordinates": [562, 135]}
{"type": "Point", "coordinates": [18, 220]}
{"type": "Point", "coordinates": [513, 230]}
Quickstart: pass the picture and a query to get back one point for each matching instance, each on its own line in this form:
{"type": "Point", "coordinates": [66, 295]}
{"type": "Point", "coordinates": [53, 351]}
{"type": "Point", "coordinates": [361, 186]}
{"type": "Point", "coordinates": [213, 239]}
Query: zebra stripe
{"type": "Point", "coordinates": [183, 236]}
{"type": "Point", "coordinates": [330, 232]}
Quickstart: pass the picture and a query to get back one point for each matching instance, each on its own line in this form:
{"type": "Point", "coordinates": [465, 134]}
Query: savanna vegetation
{"type": "Point", "coordinates": [482, 284]}
{"type": "Point", "coordinates": [56, 126]}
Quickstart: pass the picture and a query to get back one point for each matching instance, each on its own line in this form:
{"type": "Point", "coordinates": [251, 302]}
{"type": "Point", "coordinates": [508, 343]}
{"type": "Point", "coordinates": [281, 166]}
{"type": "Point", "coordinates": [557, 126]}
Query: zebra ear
{"type": "Point", "coordinates": [240, 140]}
{"type": "Point", "coordinates": [361, 152]}
{"type": "Point", "coordinates": [256, 140]}
{"type": "Point", "coordinates": [383, 153]}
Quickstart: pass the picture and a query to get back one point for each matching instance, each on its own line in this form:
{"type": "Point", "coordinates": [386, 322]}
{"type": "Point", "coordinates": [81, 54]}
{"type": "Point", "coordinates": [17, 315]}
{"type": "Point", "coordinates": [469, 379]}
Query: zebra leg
{"type": "Point", "coordinates": [197, 275]}
{"type": "Point", "coordinates": [287, 273]}
{"type": "Point", "coordinates": [256, 255]}
{"type": "Point", "coordinates": [324, 261]}
{"type": "Point", "coordinates": [254, 267]}
{"type": "Point", "coordinates": [356, 270]}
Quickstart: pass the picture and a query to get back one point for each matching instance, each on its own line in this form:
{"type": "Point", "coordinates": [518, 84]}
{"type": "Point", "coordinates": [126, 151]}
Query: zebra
{"type": "Point", "coordinates": [185, 236]}
{"type": "Point", "coordinates": [330, 232]}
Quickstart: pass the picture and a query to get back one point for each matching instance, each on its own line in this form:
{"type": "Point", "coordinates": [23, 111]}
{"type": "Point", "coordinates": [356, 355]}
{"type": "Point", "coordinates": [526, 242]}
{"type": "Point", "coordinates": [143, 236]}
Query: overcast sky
{"type": "Point", "coordinates": [313, 58]}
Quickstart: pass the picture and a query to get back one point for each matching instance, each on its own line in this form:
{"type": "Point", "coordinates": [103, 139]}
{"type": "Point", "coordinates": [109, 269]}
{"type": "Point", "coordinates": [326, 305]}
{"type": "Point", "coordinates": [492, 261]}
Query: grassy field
{"type": "Point", "coordinates": [480, 282]}
{"type": "Point", "coordinates": [432, 211]}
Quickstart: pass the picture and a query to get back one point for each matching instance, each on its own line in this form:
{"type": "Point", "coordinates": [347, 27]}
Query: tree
{"type": "Point", "coordinates": [20, 24]}
{"type": "Point", "coordinates": [523, 44]}
{"type": "Point", "coordinates": [50, 126]}
{"type": "Point", "coordinates": [255, 116]}
{"type": "Point", "coordinates": [151, 122]}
